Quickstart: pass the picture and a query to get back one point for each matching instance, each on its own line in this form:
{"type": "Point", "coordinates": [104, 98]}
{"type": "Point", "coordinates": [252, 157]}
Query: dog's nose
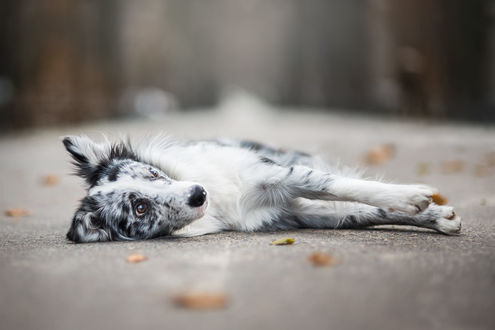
{"type": "Point", "coordinates": [197, 197]}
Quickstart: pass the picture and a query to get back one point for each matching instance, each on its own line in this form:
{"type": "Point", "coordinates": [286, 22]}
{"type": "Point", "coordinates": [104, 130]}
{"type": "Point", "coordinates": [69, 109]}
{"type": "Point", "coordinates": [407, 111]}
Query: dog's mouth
{"type": "Point", "coordinates": [195, 214]}
{"type": "Point", "coordinates": [202, 209]}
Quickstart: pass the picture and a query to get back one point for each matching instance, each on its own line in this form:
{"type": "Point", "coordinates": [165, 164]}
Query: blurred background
{"type": "Point", "coordinates": [65, 61]}
{"type": "Point", "coordinates": [397, 86]}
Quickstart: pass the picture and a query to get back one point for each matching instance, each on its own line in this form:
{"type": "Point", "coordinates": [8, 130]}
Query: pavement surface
{"type": "Point", "coordinates": [384, 278]}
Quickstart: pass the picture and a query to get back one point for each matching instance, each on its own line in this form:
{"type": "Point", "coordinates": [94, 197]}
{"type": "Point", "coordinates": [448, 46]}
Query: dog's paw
{"type": "Point", "coordinates": [449, 223]}
{"type": "Point", "coordinates": [443, 219]}
{"type": "Point", "coordinates": [410, 199]}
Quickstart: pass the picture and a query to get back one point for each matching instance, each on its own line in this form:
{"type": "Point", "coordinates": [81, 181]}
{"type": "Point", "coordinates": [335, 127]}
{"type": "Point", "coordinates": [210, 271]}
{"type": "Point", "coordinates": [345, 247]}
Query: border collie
{"type": "Point", "coordinates": [164, 187]}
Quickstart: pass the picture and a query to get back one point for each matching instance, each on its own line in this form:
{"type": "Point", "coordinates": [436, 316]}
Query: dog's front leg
{"type": "Point", "coordinates": [410, 199]}
{"type": "Point", "coordinates": [205, 225]}
{"type": "Point", "coordinates": [302, 181]}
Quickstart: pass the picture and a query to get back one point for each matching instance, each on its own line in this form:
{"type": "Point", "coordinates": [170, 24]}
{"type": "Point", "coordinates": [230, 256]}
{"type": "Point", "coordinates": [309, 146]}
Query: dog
{"type": "Point", "coordinates": [160, 187]}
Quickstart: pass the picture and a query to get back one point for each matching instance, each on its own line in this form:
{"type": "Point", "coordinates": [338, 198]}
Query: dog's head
{"type": "Point", "coordinates": [128, 199]}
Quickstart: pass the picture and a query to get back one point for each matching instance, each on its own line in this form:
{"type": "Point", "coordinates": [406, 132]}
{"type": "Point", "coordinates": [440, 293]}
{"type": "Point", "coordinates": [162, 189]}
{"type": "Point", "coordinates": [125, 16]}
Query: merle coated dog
{"type": "Point", "coordinates": [164, 187]}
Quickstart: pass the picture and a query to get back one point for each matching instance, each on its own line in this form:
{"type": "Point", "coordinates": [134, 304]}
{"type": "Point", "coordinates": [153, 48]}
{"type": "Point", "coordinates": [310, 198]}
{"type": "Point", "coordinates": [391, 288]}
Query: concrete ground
{"type": "Point", "coordinates": [385, 278]}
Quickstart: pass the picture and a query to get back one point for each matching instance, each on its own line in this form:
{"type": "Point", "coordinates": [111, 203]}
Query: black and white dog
{"type": "Point", "coordinates": [164, 187]}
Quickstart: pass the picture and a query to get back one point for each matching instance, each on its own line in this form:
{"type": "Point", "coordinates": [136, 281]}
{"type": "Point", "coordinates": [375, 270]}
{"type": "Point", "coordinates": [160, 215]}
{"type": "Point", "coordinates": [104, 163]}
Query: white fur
{"type": "Point", "coordinates": [230, 175]}
{"type": "Point", "coordinates": [247, 191]}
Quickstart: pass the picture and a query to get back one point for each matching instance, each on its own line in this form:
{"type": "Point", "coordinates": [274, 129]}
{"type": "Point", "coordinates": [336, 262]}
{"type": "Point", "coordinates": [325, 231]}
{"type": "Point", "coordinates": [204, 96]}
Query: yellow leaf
{"type": "Point", "coordinates": [283, 241]}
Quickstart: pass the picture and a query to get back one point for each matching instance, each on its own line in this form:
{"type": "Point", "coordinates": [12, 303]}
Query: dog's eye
{"type": "Point", "coordinates": [154, 173]}
{"type": "Point", "coordinates": [141, 209]}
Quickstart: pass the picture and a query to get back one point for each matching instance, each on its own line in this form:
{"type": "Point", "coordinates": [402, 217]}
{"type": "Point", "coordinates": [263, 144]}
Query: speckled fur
{"type": "Point", "coordinates": [250, 187]}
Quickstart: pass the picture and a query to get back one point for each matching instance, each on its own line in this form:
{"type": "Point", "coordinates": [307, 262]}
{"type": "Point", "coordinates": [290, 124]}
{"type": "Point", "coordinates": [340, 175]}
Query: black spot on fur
{"type": "Point", "coordinates": [122, 151]}
{"type": "Point", "coordinates": [301, 154]}
{"type": "Point", "coordinates": [262, 148]}
{"type": "Point", "coordinates": [349, 221]}
{"type": "Point", "coordinates": [89, 204]}
{"type": "Point", "coordinates": [118, 151]}
{"type": "Point", "coordinates": [267, 160]}
{"type": "Point", "coordinates": [254, 146]}
{"type": "Point", "coordinates": [113, 173]}
{"type": "Point", "coordinates": [97, 222]}
{"type": "Point", "coordinates": [291, 169]}
{"type": "Point", "coordinates": [123, 225]}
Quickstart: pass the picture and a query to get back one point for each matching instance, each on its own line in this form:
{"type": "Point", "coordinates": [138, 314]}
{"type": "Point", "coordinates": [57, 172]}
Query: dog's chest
{"type": "Point", "coordinates": [220, 171]}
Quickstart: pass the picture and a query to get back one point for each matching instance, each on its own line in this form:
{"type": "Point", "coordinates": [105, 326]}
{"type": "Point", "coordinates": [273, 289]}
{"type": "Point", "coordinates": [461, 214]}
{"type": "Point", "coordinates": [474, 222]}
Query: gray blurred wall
{"type": "Point", "coordinates": [67, 61]}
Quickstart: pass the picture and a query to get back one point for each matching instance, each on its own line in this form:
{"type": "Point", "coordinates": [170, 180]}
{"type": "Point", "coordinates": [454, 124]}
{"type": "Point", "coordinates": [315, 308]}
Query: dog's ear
{"type": "Point", "coordinates": [86, 226]}
{"type": "Point", "coordinates": [87, 156]}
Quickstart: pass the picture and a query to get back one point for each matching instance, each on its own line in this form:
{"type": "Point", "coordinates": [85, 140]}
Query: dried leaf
{"type": "Point", "coordinates": [422, 169]}
{"type": "Point", "coordinates": [283, 241]}
{"type": "Point", "coordinates": [490, 159]}
{"type": "Point", "coordinates": [380, 154]}
{"type": "Point", "coordinates": [321, 259]}
{"type": "Point", "coordinates": [17, 213]}
{"type": "Point", "coordinates": [453, 166]}
{"type": "Point", "coordinates": [136, 257]}
{"type": "Point", "coordinates": [50, 180]}
{"type": "Point", "coordinates": [484, 169]}
{"type": "Point", "coordinates": [201, 300]}
{"type": "Point", "coordinates": [439, 199]}
{"type": "Point", "coordinates": [487, 166]}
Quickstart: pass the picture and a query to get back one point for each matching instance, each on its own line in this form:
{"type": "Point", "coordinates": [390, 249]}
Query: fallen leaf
{"type": "Point", "coordinates": [483, 202]}
{"type": "Point", "coordinates": [490, 158]}
{"type": "Point", "coordinates": [380, 154]}
{"type": "Point", "coordinates": [135, 258]}
{"type": "Point", "coordinates": [283, 241]}
{"type": "Point", "coordinates": [201, 300]}
{"type": "Point", "coordinates": [422, 169]}
{"type": "Point", "coordinates": [452, 166]}
{"type": "Point", "coordinates": [439, 199]}
{"type": "Point", "coordinates": [50, 180]}
{"type": "Point", "coordinates": [321, 259]}
{"type": "Point", "coordinates": [17, 213]}
{"type": "Point", "coordinates": [484, 169]}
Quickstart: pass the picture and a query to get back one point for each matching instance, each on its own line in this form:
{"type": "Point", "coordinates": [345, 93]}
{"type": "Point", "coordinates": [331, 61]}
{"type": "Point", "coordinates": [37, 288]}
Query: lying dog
{"type": "Point", "coordinates": [164, 187]}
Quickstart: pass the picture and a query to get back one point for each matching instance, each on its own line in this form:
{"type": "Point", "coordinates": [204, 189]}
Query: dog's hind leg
{"type": "Point", "coordinates": [301, 181]}
{"type": "Point", "coordinates": [318, 214]}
